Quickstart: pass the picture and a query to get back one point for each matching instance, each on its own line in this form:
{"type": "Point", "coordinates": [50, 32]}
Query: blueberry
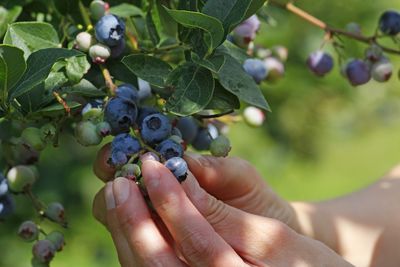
{"type": "Point", "coordinates": [253, 22]}
{"type": "Point", "coordinates": [275, 68]}
{"type": "Point", "coordinates": [354, 28]}
{"type": "Point", "coordinates": [7, 206]}
{"type": "Point", "coordinates": [103, 129]}
{"type": "Point", "coordinates": [33, 137]}
{"type": "Point", "coordinates": [43, 251]}
{"type": "Point", "coordinates": [357, 72]}
{"type": "Point", "coordinates": [245, 33]}
{"type": "Point", "coordinates": [55, 211]}
{"type": "Point", "coordinates": [382, 70]}
{"type": "Point", "coordinates": [48, 132]}
{"type": "Point", "coordinates": [84, 41]}
{"type": "Point", "coordinates": [20, 178]}
{"type": "Point", "coordinates": [86, 134]}
{"type": "Point", "coordinates": [3, 186]}
{"type": "Point", "coordinates": [320, 63]}
{"type": "Point", "coordinates": [280, 52]}
{"type": "Point", "coordinates": [220, 146]}
{"type": "Point", "coordinates": [99, 53]}
{"type": "Point", "coordinates": [212, 130]}
{"type": "Point", "coordinates": [389, 22]}
{"type": "Point", "coordinates": [131, 171]}
{"type": "Point", "coordinates": [144, 112]}
{"type": "Point", "coordinates": [253, 116]}
{"type": "Point", "coordinates": [188, 128]}
{"type": "Point", "coordinates": [28, 231]}
{"type": "Point", "coordinates": [120, 114]}
{"type": "Point", "coordinates": [373, 53]}
{"type": "Point", "coordinates": [156, 128]}
{"type": "Point", "coordinates": [98, 9]}
{"type": "Point", "coordinates": [144, 89]}
{"type": "Point", "coordinates": [176, 131]}
{"type": "Point", "coordinates": [128, 93]}
{"type": "Point", "coordinates": [125, 143]}
{"type": "Point", "coordinates": [178, 167]}
{"type": "Point", "coordinates": [169, 149]}
{"type": "Point", "coordinates": [203, 140]}
{"type": "Point", "coordinates": [57, 238]}
{"type": "Point", "coordinates": [256, 69]}
{"type": "Point", "coordinates": [110, 30]}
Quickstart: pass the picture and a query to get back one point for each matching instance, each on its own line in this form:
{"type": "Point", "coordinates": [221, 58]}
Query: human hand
{"type": "Point", "coordinates": [203, 230]}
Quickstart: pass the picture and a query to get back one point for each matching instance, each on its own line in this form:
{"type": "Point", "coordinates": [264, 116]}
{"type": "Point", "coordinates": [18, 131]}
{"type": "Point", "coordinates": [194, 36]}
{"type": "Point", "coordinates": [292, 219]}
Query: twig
{"type": "Point", "coordinates": [108, 79]}
{"type": "Point", "coordinates": [84, 14]}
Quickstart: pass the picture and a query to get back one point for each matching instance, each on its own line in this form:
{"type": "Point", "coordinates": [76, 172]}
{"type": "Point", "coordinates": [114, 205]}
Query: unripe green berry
{"type": "Point", "coordinates": [86, 134]}
{"type": "Point", "coordinates": [220, 146]}
{"type": "Point", "coordinates": [99, 53]}
{"type": "Point", "coordinates": [20, 178]}
{"type": "Point", "coordinates": [48, 132]}
{"type": "Point", "coordinates": [131, 171]}
{"type": "Point", "coordinates": [84, 41]}
{"type": "Point", "coordinates": [33, 137]}
{"type": "Point", "coordinates": [55, 212]}
{"type": "Point", "coordinates": [98, 9]}
{"type": "Point", "coordinates": [103, 129]}
{"type": "Point", "coordinates": [28, 231]}
{"type": "Point", "coordinates": [253, 116]}
{"type": "Point", "coordinates": [57, 238]}
{"type": "Point", "coordinates": [36, 263]}
{"type": "Point", "coordinates": [43, 251]}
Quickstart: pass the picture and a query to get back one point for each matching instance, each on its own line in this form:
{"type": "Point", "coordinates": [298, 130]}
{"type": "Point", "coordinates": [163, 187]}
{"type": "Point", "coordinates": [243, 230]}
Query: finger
{"type": "Point", "coordinates": [195, 237]}
{"type": "Point", "coordinates": [133, 218]}
{"type": "Point", "coordinates": [255, 237]}
{"type": "Point", "coordinates": [216, 174]}
{"type": "Point", "coordinates": [101, 168]}
{"type": "Point", "coordinates": [125, 255]}
{"type": "Point", "coordinates": [99, 207]}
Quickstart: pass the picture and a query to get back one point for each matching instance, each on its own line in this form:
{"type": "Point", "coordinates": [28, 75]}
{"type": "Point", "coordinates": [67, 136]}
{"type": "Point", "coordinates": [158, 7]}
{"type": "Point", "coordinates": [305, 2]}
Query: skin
{"type": "Point", "coordinates": [201, 223]}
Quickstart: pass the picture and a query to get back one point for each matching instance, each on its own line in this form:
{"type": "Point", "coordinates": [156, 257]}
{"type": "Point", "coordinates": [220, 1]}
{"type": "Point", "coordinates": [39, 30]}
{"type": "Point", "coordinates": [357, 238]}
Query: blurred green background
{"type": "Point", "coordinates": [323, 139]}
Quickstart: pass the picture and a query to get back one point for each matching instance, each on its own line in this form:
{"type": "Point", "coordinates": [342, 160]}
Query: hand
{"type": "Point", "coordinates": [203, 230]}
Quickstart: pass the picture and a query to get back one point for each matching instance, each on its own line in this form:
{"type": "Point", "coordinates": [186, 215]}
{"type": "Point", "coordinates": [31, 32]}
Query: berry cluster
{"type": "Point", "coordinates": [374, 65]}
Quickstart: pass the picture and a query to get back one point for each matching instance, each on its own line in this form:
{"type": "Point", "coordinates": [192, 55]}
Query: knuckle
{"type": "Point", "coordinates": [279, 236]}
{"type": "Point", "coordinates": [217, 212]}
{"type": "Point", "coordinates": [127, 221]}
{"type": "Point", "coordinates": [195, 246]}
{"type": "Point", "coordinates": [166, 203]}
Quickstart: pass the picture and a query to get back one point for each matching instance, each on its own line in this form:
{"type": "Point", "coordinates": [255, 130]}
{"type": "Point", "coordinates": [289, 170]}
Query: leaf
{"type": "Point", "coordinates": [84, 88]}
{"type": "Point", "coordinates": [236, 52]}
{"type": "Point", "coordinates": [152, 29]}
{"type": "Point", "coordinates": [234, 79]}
{"type": "Point", "coordinates": [214, 65]}
{"type": "Point", "coordinates": [255, 6]}
{"type": "Point", "coordinates": [31, 36]}
{"type": "Point", "coordinates": [223, 99]}
{"type": "Point", "coordinates": [193, 89]}
{"type": "Point", "coordinates": [12, 66]}
{"type": "Point", "coordinates": [38, 68]}
{"type": "Point", "coordinates": [125, 10]}
{"type": "Point", "coordinates": [196, 20]}
{"type": "Point", "coordinates": [120, 72]}
{"type": "Point", "coordinates": [166, 27]}
{"type": "Point", "coordinates": [76, 67]}
{"type": "Point", "coordinates": [55, 110]}
{"type": "Point", "coordinates": [148, 68]}
{"type": "Point", "coordinates": [230, 13]}
{"type": "Point", "coordinates": [7, 17]}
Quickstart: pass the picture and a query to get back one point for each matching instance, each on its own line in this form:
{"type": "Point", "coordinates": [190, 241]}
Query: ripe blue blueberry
{"type": "Point", "coordinates": [357, 72]}
{"type": "Point", "coordinates": [245, 33]}
{"type": "Point", "coordinates": [144, 89]}
{"type": "Point", "coordinates": [256, 69]}
{"type": "Point", "coordinates": [125, 143]}
{"type": "Point", "coordinates": [169, 149]}
{"type": "Point", "coordinates": [389, 22]}
{"type": "Point", "coordinates": [7, 206]}
{"type": "Point", "coordinates": [118, 49]}
{"type": "Point", "coordinates": [144, 112]}
{"type": "Point", "coordinates": [110, 30]}
{"type": "Point", "coordinates": [320, 63]}
{"type": "Point", "coordinates": [178, 167]}
{"type": "Point", "coordinates": [43, 250]}
{"type": "Point", "coordinates": [118, 158]}
{"type": "Point", "coordinates": [203, 140]}
{"type": "Point", "coordinates": [120, 114]}
{"type": "Point", "coordinates": [188, 128]}
{"type": "Point", "coordinates": [28, 231]}
{"type": "Point", "coordinates": [3, 185]}
{"type": "Point", "coordinates": [128, 92]}
{"type": "Point", "coordinates": [156, 128]}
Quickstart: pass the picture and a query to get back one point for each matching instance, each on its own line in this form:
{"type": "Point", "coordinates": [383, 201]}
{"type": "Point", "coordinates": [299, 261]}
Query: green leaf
{"type": "Point", "coordinates": [38, 68]}
{"type": "Point", "coordinates": [196, 20]}
{"type": "Point", "coordinates": [125, 10]}
{"type": "Point", "coordinates": [234, 79]}
{"type": "Point", "coordinates": [31, 36]}
{"type": "Point", "coordinates": [84, 88]}
{"type": "Point", "coordinates": [152, 29]}
{"type": "Point", "coordinates": [255, 6]}
{"type": "Point", "coordinates": [12, 66]}
{"type": "Point", "coordinates": [222, 99]}
{"type": "Point", "coordinates": [76, 67]}
{"type": "Point", "coordinates": [55, 110]}
{"type": "Point", "coordinates": [236, 52]}
{"type": "Point", "coordinates": [214, 64]}
{"type": "Point", "coordinates": [148, 68]}
{"type": "Point", "coordinates": [7, 17]}
{"type": "Point", "coordinates": [230, 13]}
{"type": "Point", "coordinates": [120, 72]}
{"type": "Point", "coordinates": [193, 89]}
{"type": "Point", "coordinates": [166, 27]}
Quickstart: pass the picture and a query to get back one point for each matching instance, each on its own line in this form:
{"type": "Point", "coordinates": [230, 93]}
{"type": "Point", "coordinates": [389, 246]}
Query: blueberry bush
{"type": "Point", "coordinates": [155, 77]}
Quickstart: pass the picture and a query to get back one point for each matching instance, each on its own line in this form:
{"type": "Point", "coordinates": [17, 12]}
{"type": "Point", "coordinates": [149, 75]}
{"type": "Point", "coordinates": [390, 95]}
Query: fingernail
{"type": "Point", "coordinates": [121, 189]}
{"type": "Point", "coordinates": [152, 175]}
{"type": "Point", "coordinates": [197, 158]}
{"type": "Point", "coordinates": [109, 196]}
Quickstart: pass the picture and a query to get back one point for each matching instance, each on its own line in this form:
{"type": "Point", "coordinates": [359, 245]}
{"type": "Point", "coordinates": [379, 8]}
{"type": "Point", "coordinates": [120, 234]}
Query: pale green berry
{"type": "Point", "coordinates": [33, 137]}
{"type": "Point", "coordinates": [220, 146]}
{"type": "Point", "coordinates": [20, 178]}
{"type": "Point", "coordinates": [86, 134]}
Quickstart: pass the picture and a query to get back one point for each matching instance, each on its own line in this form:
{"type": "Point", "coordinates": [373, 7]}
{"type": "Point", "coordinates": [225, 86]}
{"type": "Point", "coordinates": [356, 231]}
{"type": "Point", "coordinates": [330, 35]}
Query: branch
{"type": "Point", "coordinates": [331, 30]}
